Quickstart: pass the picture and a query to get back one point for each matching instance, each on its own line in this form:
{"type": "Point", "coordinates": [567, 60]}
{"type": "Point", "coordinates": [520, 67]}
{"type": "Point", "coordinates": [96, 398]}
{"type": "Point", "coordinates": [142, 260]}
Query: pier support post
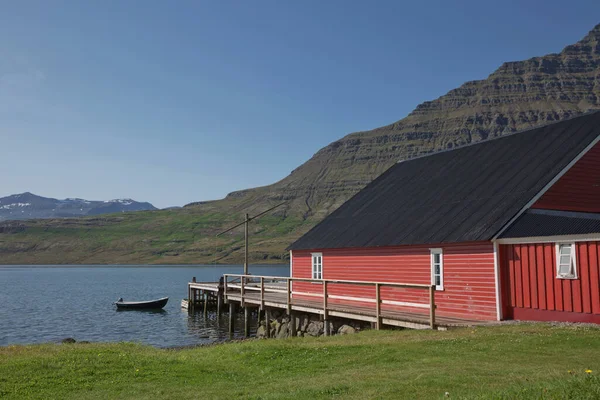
{"type": "Point", "coordinates": [247, 321]}
{"type": "Point", "coordinates": [205, 303]}
{"type": "Point", "coordinates": [191, 295]}
{"type": "Point", "coordinates": [231, 318]}
{"type": "Point", "coordinates": [268, 322]}
{"type": "Point", "coordinates": [190, 302]}
{"type": "Point", "coordinates": [219, 303]}
{"type": "Point", "coordinates": [292, 325]}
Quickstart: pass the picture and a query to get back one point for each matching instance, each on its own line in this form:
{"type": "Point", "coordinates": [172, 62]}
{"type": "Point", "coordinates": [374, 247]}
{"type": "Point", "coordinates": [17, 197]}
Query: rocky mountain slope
{"type": "Point", "coordinates": [29, 206]}
{"type": "Point", "coordinates": [516, 96]}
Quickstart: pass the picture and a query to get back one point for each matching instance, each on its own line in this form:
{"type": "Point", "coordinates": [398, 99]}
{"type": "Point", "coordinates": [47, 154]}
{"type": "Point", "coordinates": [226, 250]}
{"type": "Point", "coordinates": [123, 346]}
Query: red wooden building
{"type": "Point", "coordinates": [508, 228]}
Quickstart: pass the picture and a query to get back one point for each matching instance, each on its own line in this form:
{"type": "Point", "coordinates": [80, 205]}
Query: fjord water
{"type": "Point", "coordinates": [50, 303]}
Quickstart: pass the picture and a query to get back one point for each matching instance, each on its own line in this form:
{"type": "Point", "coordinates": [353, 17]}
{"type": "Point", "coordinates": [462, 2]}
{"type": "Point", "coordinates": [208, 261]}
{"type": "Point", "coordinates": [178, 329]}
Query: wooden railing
{"type": "Point", "coordinates": [283, 285]}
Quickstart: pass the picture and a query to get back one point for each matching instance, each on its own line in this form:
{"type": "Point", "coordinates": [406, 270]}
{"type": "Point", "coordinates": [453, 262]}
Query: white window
{"type": "Point", "coordinates": [317, 265]}
{"type": "Point", "coordinates": [437, 269]}
{"type": "Point", "coordinates": [566, 264]}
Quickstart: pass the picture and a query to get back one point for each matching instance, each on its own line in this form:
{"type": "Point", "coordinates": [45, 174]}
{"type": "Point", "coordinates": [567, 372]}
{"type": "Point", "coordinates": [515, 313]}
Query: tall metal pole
{"type": "Point", "coordinates": [246, 246]}
{"type": "Point", "coordinates": [246, 222]}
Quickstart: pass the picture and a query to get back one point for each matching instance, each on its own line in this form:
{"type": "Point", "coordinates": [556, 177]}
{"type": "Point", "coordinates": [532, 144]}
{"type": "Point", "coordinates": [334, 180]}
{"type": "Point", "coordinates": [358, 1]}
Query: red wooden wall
{"type": "Point", "coordinates": [531, 290]}
{"type": "Point", "coordinates": [578, 189]}
{"type": "Point", "coordinates": [469, 284]}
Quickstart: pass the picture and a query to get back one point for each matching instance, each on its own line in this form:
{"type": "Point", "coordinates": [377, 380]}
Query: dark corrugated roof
{"type": "Point", "coordinates": [535, 223]}
{"type": "Point", "coordinates": [466, 194]}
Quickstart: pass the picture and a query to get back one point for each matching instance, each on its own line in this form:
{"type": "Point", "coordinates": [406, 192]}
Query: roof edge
{"type": "Point", "coordinates": [564, 214]}
{"type": "Point", "coordinates": [582, 237]}
{"type": "Point", "coordinates": [548, 186]}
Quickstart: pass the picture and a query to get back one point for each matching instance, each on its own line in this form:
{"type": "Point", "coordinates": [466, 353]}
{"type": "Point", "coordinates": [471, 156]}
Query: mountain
{"type": "Point", "coordinates": [518, 95]}
{"type": "Point", "coordinates": [28, 206]}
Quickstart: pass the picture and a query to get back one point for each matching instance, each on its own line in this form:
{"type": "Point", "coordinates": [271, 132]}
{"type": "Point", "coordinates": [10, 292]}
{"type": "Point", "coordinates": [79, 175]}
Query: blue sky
{"type": "Point", "coordinates": [174, 102]}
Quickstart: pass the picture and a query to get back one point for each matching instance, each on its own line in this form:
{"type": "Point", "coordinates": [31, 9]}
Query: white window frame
{"type": "Point", "coordinates": [316, 267]}
{"type": "Point", "coordinates": [433, 282]}
{"type": "Point", "coordinates": [573, 261]}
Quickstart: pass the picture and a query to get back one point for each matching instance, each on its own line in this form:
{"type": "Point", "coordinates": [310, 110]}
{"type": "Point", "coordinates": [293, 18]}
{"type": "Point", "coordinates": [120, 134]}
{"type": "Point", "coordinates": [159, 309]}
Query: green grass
{"type": "Point", "coordinates": [516, 361]}
{"type": "Point", "coordinates": [184, 236]}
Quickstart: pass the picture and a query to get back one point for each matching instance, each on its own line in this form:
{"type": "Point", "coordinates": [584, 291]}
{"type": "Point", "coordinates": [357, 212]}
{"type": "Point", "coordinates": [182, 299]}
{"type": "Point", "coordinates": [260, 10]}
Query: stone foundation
{"type": "Point", "coordinates": [306, 325]}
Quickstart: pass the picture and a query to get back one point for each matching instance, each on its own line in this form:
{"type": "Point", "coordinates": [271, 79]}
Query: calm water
{"type": "Point", "coordinates": [48, 304]}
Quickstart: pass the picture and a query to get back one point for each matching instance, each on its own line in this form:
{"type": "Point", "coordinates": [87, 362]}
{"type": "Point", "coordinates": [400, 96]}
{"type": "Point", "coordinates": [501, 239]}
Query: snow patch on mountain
{"type": "Point", "coordinates": [43, 207]}
{"type": "Point", "coordinates": [15, 205]}
{"type": "Point", "coordinates": [125, 202]}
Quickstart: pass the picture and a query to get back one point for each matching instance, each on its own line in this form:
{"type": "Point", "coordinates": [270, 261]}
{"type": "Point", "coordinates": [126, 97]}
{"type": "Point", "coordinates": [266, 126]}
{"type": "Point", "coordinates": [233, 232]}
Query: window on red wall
{"type": "Point", "coordinates": [317, 265]}
{"type": "Point", "coordinates": [437, 269]}
{"type": "Point", "coordinates": [566, 263]}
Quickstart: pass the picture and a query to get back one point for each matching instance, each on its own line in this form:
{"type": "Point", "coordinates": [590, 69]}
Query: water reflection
{"type": "Point", "coordinates": [142, 310]}
{"type": "Point", "coordinates": [212, 327]}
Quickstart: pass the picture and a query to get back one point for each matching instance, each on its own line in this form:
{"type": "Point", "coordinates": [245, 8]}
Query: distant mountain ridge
{"type": "Point", "coordinates": [29, 206]}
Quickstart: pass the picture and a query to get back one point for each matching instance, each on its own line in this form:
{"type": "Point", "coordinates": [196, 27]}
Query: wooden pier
{"type": "Point", "coordinates": [268, 292]}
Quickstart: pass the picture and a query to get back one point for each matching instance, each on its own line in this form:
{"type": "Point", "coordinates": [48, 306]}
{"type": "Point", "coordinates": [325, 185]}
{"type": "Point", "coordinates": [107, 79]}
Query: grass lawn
{"type": "Point", "coordinates": [513, 361]}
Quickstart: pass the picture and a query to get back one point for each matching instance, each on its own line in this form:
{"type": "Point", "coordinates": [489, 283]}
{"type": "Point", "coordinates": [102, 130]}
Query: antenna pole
{"type": "Point", "coordinates": [246, 246]}
{"type": "Point", "coordinates": [246, 223]}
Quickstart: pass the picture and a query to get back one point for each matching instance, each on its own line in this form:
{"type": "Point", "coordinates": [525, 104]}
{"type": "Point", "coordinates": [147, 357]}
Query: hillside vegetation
{"type": "Point", "coordinates": [506, 362]}
{"type": "Point", "coordinates": [516, 96]}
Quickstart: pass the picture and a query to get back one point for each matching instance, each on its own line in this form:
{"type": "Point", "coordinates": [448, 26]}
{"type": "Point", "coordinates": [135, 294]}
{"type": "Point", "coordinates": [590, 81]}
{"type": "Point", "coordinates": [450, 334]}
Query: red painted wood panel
{"type": "Point", "coordinates": [578, 189]}
{"type": "Point", "coordinates": [518, 278]}
{"type": "Point", "coordinates": [593, 249]}
{"type": "Point", "coordinates": [567, 295]}
{"type": "Point", "coordinates": [525, 273]}
{"type": "Point", "coordinates": [584, 273]}
{"type": "Point", "coordinates": [506, 282]}
{"type": "Point", "coordinates": [509, 257]}
{"type": "Point", "coordinates": [541, 276]}
{"type": "Point", "coordinates": [532, 277]}
{"type": "Point", "coordinates": [469, 280]}
{"type": "Point", "coordinates": [548, 251]}
{"type": "Point", "coordinates": [558, 284]}
{"type": "Point", "coordinates": [531, 270]}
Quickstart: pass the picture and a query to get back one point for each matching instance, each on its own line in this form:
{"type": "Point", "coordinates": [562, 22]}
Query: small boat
{"type": "Point", "coordinates": [142, 305]}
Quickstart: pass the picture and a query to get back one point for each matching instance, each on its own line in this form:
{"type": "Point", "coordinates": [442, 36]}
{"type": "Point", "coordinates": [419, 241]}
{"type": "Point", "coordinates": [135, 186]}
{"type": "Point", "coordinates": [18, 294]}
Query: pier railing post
{"type": "Point", "coordinates": [432, 306]}
{"type": "Point", "coordinates": [325, 313]}
{"type": "Point", "coordinates": [378, 306]}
